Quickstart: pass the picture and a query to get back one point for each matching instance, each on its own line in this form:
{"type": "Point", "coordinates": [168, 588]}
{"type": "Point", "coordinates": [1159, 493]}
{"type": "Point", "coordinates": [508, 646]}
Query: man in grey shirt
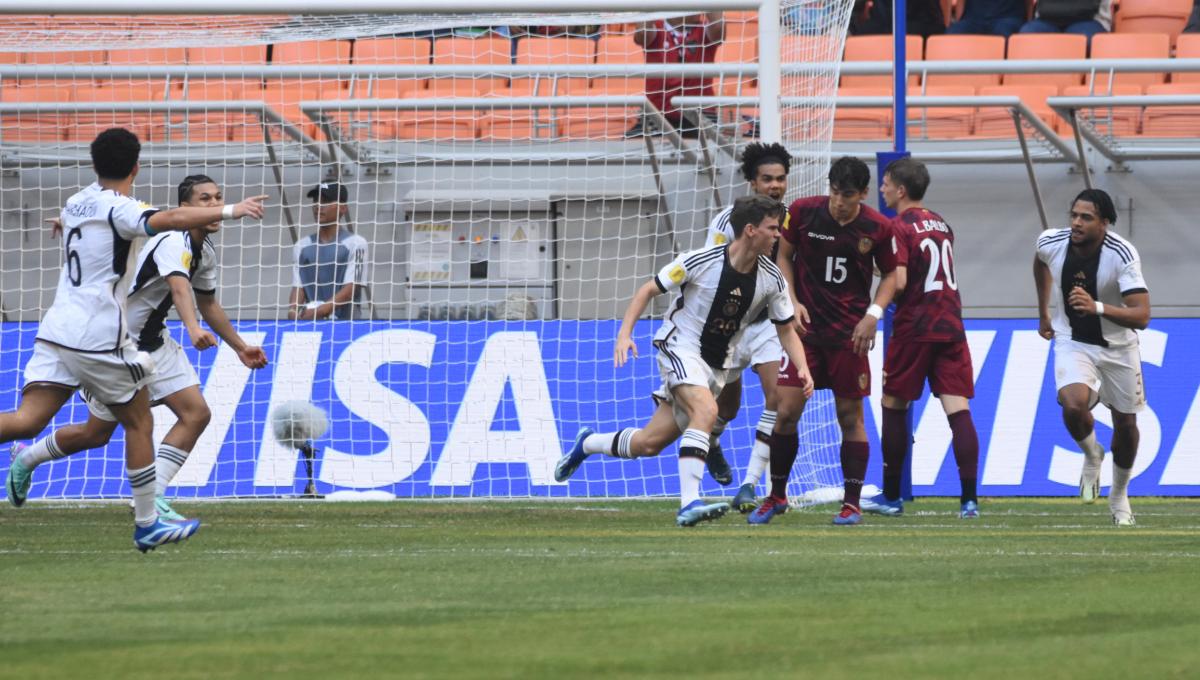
{"type": "Point", "coordinates": [330, 276]}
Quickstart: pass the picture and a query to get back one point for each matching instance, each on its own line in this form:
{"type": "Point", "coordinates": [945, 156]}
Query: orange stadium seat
{"type": "Point", "coordinates": [878, 48]}
{"type": "Point", "coordinates": [457, 124]}
{"type": "Point", "coordinates": [153, 56]}
{"type": "Point", "coordinates": [536, 51]}
{"type": "Point", "coordinates": [963, 48]}
{"type": "Point", "coordinates": [1122, 121]}
{"type": "Point", "coordinates": [608, 122]}
{"type": "Point", "coordinates": [1172, 121]}
{"type": "Point", "coordinates": [1130, 46]}
{"type": "Point", "coordinates": [312, 52]}
{"type": "Point", "coordinates": [239, 54]}
{"type": "Point", "coordinates": [992, 122]}
{"type": "Point", "coordinates": [1046, 47]}
{"type": "Point", "coordinates": [1152, 16]}
{"type": "Point", "coordinates": [96, 57]}
{"type": "Point", "coordinates": [850, 124]}
{"type": "Point", "coordinates": [42, 127]}
{"type": "Point", "coordinates": [942, 122]}
{"type": "Point", "coordinates": [214, 126]}
{"type": "Point", "coordinates": [88, 124]}
{"type": "Point", "coordinates": [284, 95]}
{"type": "Point", "coordinates": [383, 51]}
{"type": "Point", "coordinates": [1187, 47]}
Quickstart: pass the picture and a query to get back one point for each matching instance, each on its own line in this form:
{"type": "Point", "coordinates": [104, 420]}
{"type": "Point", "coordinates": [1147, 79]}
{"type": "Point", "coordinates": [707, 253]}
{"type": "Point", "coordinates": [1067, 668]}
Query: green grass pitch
{"type": "Point", "coordinates": [527, 589]}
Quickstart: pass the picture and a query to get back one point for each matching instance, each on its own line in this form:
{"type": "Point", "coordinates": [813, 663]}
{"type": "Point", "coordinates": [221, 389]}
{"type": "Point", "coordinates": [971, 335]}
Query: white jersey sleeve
{"type": "Point", "coordinates": [1130, 278]}
{"type": "Point", "coordinates": [720, 230]}
{"type": "Point", "coordinates": [130, 217]}
{"type": "Point", "coordinates": [171, 255]}
{"type": "Point", "coordinates": [204, 280]}
{"type": "Point", "coordinates": [356, 267]}
{"type": "Point", "coordinates": [672, 277]}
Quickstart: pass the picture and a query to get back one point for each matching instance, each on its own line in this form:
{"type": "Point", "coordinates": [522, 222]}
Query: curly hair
{"type": "Point", "coordinates": [756, 155]}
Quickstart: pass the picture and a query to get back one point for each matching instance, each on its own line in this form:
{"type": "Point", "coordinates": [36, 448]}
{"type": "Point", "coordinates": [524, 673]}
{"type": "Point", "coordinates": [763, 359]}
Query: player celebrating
{"type": "Point", "coordinates": [82, 339]}
{"type": "Point", "coordinates": [1102, 300]}
{"type": "Point", "coordinates": [928, 340]}
{"type": "Point", "coordinates": [828, 253]}
{"type": "Point", "coordinates": [765, 167]}
{"type": "Point", "coordinates": [171, 265]}
{"type": "Point", "coordinates": [718, 291]}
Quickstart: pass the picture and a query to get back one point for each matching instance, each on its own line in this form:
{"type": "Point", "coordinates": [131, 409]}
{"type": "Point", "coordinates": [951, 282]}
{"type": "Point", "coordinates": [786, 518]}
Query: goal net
{"type": "Point", "coordinates": [515, 182]}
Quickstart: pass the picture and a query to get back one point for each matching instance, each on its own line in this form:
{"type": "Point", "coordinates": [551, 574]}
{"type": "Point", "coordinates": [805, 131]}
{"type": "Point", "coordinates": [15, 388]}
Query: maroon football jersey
{"type": "Point", "coordinates": [929, 309]}
{"type": "Point", "coordinates": [833, 265]}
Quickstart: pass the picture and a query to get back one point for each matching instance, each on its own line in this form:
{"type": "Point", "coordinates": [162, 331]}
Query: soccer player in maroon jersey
{"type": "Point", "coordinates": [830, 249]}
{"type": "Point", "coordinates": [928, 341]}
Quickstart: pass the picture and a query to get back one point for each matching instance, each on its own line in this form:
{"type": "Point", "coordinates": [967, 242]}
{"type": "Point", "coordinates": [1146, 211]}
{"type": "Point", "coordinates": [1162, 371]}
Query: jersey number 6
{"type": "Point", "coordinates": [74, 269]}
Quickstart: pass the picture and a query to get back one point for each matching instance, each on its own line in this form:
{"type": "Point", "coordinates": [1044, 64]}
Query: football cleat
{"type": "Point", "coordinates": [1089, 483]}
{"type": "Point", "coordinates": [848, 516]}
{"type": "Point", "coordinates": [717, 466]}
{"type": "Point", "coordinates": [165, 511]}
{"type": "Point", "coordinates": [697, 511]}
{"type": "Point", "coordinates": [161, 533]}
{"type": "Point", "coordinates": [745, 501]}
{"type": "Point", "coordinates": [568, 464]}
{"type": "Point", "coordinates": [1122, 514]}
{"type": "Point", "coordinates": [880, 505]}
{"type": "Point", "coordinates": [18, 479]}
{"type": "Point", "coordinates": [970, 510]}
{"type": "Point", "coordinates": [773, 505]}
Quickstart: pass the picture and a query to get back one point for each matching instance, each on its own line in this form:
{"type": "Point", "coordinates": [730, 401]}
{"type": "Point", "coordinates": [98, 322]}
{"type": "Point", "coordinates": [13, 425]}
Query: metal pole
{"type": "Point", "coordinates": [770, 79]}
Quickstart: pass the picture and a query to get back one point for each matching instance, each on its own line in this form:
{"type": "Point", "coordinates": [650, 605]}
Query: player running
{"type": "Point", "coordinates": [170, 267]}
{"type": "Point", "coordinates": [928, 341]}
{"type": "Point", "coordinates": [1096, 276]}
{"type": "Point", "coordinates": [718, 291]}
{"type": "Point", "coordinates": [82, 341]}
{"type": "Point", "coordinates": [765, 167]}
{"type": "Point", "coordinates": [829, 251]}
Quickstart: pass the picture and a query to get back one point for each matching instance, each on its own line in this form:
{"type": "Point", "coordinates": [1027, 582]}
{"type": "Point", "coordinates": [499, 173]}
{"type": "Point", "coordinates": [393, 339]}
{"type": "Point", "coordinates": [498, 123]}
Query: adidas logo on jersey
{"type": "Point", "coordinates": [736, 292]}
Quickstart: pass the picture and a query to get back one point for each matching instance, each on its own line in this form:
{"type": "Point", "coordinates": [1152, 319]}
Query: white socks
{"type": "Point", "coordinates": [42, 451]}
{"type": "Point", "coordinates": [604, 443]}
{"type": "Point", "coordinates": [760, 454]}
{"type": "Point", "coordinates": [691, 467]}
{"type": "Point", "coordinates": [1120, 485]}
{"type": "Point", "coordinates": [141, 481]}
{"type": "Point", "coordinates": [168, 462]}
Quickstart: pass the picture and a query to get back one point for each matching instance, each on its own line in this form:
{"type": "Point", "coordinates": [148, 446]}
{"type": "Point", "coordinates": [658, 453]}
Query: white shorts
{"type": "Point", "coordinates": [111, 377]}
{"type": "Point", "coordinates": [678, 367]}
{"type": "Point", "coordinates": [1114, 374]}
{"type": "Point", "coordinates": [172, 373]}
{"type": "Point", "coordinates": [759, 345]}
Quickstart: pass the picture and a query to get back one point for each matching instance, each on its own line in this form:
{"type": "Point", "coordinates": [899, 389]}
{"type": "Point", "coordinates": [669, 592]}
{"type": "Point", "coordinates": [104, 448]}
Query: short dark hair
{"type": "Point", "coordinates": [848, 172]}
{"type": "Point", "coordinates": [1103, 202]}
{"type": "Point", "coordinates": [115, 153]}
{"type": "Point", "coordinates": [754, 209]}
{"type": "Point", "coordinates": [188, 186]}
{"type": "Point", "coordinates": [757, 154]}
{"type": "Point", "coordinates": [910, 174]}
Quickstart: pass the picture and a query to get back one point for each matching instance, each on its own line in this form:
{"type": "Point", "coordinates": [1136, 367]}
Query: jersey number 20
{"type": "Point", "coordinates": [939, 260]}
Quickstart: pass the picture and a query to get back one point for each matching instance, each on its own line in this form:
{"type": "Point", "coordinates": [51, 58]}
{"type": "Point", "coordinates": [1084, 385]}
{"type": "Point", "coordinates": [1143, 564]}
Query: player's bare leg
{"type": "Point", "coordinates": [855, 453]}
{"type": "Point", "coordinates": [65, 441]}
{"type": "Point", "coordinates": [701, 409]}
{"type": "Point", "coordinates": [192, 417]}
{"type": "Point", "coordinates": [39, 403]}
{"type": "Point", "coordinates": [760, 454]}
{"type": "Point", "coordinates": [1124, 450]}
{"type": "Point", "coordinates": [728, 403]}
{"type": "Point", "coordinates": [631, 442]}
{"type": "Point", "coordinates": [784, 447]}
{"type": "Point", "coordinates": [1077, 400]}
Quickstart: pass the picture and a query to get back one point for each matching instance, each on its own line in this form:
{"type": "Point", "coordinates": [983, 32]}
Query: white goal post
{"type": "Point", "coordinates": [511, 177]}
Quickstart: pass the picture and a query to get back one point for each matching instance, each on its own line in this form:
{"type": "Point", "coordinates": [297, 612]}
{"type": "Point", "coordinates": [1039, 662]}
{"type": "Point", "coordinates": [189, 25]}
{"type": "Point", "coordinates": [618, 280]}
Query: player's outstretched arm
{"type": "Point", "coordinates": [214, 315]}
{"type": "Point", "coordinates": [794, 348]}
{"type": "Point", "coordinates": [637, 305]}
{"type": "Point", "coordinates": [181, 296]}
{"type": "Point", "coordinates": [185, 217]}
{"type": "Point", "coordinates": [1044, 281]}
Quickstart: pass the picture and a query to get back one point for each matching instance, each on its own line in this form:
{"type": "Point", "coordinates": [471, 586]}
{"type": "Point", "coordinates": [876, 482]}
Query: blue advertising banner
{"type": "Point", "coordinates": [485, 408]}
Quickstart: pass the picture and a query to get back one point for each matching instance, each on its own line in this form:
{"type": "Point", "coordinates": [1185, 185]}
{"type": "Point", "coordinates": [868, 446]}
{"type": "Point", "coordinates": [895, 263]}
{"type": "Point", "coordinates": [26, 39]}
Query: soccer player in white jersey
{"type": "Point", "coordinates": [83, 342]}
{"type": "Point", "coordinates": [765, 167]}
{"type": "Point", "coordinates": [1096, 277]}
{"type": "Point", "coordinates": [718, 291]}
{"type": "Point", "coordinates": [170, 267]}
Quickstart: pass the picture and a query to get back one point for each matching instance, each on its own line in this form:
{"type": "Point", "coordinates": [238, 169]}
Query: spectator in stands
{"type": "Point", "coordinates": [1081, 17]}
{"type": "Point", "coordinates": [691, 39]}
{"type": "Point", "coordinates": [1193, 24]}
{"type": "Point", "coordinates": [990, 17]}
{"type": "Point", "coordinates": [924, 18]}
{"type": "Point", "coordinates": [330, 277]}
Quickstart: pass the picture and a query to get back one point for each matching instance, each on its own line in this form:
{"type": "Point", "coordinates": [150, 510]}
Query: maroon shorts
{"type": "Point", "coordinates": [947, 365]}
{"type": "Point", "coordinates": [833, 368]}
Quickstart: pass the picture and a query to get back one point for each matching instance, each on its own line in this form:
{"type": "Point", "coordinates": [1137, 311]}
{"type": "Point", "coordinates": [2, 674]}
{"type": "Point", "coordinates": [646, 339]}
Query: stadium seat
{"type": "Point", "coordinates": [1172, 121]}
{"type": "Point", "coordinates": [1129, 46]}
{"type": "Point", "coordinates": [964, 48]}
{"type": "Point", "coordinates": [538, 51]}
{"type": "Point", "coordinates": [312, 52]}
{"type": "Point", "coordinates": [878, 48]}
{"type": "Point", "coordinates": [36, 127]}
{"type": "Point", "coordinates": [994, 122]}
{"type": "Point", "coordinates": [239, 54]}
{"type": "Point", "coordinates": [284, 96]}
{"type": "Point", "coordinates": [1187, 47]}
{"type": "Point", "coordinates": [381, 51]}
{"type": "Point", "coordinates": [457, 124]}
{"type": "Point", "coordinates": [1152, 16]}
{"type": "Point", "coordinates": [942, 122]}
{"type": "Point", "coordinates": [1046, 47]}
{"type": "Point", "coordinates": [1122, 121]}
{"type": "Point", "coordinates": [608, 122]}
{"type": "Point", "coordinates": [851, 124]}
{"type": "Point", "coordinates": [88, 124]}
{"type": "Point", "coordinates": [215, 126]}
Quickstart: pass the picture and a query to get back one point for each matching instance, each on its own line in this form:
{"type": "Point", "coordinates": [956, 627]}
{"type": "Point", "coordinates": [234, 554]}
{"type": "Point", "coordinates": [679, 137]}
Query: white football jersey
{"type": "Point", "coordinates": [88, 312]}
{"type": "Point", "coordinates": [714, 303]}
{"type": "Point", "coordinates": [1112, 273]}
{"type": "Point", "coordinates": [172, 253]}
{"type": "Point", "coordinates": [720, 231]}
